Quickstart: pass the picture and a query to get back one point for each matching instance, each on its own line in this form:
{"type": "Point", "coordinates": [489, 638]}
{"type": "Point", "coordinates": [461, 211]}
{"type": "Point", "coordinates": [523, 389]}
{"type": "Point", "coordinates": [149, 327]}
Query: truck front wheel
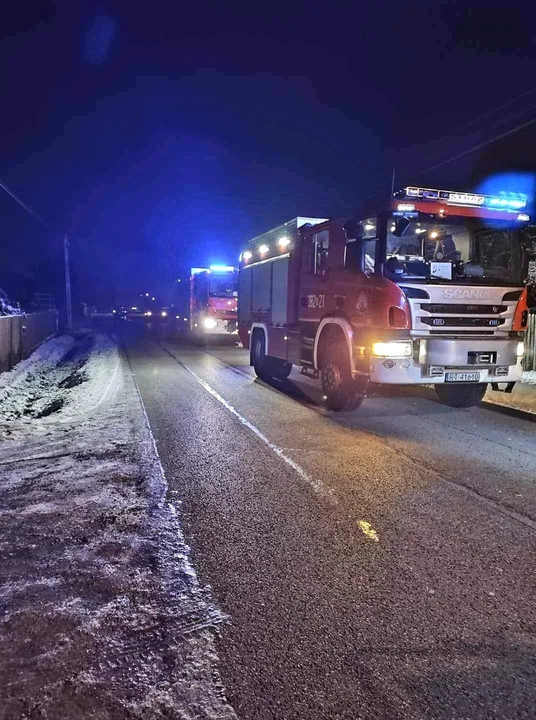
{"type": "Point", "coordinates": [340, 391]}
{"type": "Point", "coordinates": [461, 396]}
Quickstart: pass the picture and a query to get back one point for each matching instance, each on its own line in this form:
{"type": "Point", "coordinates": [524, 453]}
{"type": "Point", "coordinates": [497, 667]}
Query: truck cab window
{"type": "Point", "coordinates": [360, 253]}
{"type": "Point", "coordinates": [319, 253]}
{"type": "Point", "coordinates": [369, 256]}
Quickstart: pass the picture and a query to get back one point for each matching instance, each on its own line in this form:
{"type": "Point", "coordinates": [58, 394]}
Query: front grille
{"type": "Point", "coordinates": [473, 322]}
{"type": "Point", "coordinates": [469, 333]}
{"type": "Point", "coordinates": [443, 309]}
{"type": "Point", "coordinates": [443, 316]}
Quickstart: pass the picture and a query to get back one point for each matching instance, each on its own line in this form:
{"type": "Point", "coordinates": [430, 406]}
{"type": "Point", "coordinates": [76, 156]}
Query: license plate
{"type": "Point", "coordinates": [462, 377]}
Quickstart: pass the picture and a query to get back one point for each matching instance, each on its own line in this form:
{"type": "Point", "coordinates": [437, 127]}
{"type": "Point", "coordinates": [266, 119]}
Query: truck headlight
{"type": "Point", "coordinates": [210, 323]}
{"type": "Point", "coordinates": [392, 349]}
{"type": "Point", "coordinates": [520, 349]}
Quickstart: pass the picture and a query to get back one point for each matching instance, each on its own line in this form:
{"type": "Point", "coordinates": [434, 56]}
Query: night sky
{"type": "Point", "coordinates": [165, 135]}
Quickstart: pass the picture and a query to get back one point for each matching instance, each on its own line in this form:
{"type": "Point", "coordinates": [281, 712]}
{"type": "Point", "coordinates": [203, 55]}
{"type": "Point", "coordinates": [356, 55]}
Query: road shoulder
{"type": "Point", "coordinates": [102, 613]}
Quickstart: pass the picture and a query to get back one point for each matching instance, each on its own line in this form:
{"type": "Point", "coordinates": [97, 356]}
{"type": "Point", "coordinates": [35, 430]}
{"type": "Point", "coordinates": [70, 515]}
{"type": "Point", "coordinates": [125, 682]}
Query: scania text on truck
{"type": "Point", "coordinates": [428, 291]}
{"type": "Point", "coordinates": [211, 302]}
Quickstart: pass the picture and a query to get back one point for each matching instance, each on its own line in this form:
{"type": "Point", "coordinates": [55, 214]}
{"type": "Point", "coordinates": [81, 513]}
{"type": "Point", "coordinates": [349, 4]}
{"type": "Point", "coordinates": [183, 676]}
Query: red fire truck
{"type": "Point", "coordinates": [430, 290]}
{"type": "Point", "coordinates": [212, 302]}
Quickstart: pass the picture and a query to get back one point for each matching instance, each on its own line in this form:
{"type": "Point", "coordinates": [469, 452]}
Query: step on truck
{"type": "Point", "coordinates": [430, 290]}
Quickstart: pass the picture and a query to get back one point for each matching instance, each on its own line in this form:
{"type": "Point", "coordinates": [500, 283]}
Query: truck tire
{"type": "Point", "coordinates": [340, 391]}
{"type": "Point", "coordinates": [260, 361]}
{"type": "Point", "coordinates": [461, 396]}
{"type": "Point", "coordinates": [280, 369]}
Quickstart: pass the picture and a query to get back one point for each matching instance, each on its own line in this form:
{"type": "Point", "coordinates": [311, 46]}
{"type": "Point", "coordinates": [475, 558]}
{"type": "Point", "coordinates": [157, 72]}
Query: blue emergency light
{"type": "Point", "coordinates": [221, 268]}
{"type": "Point", "coordinates": [503, 201]}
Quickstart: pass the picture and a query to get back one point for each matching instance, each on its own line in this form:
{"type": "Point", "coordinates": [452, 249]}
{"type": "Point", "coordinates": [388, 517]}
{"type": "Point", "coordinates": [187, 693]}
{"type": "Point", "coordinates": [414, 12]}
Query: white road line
{"type": "Point", "coordinates": [249, 376]}
{"type": "Point", "coordinates": [317, 485]}
{"type": "Point", "coordinates": [182, 555]}
{"type": "Point", "coordinates": [309, 404]}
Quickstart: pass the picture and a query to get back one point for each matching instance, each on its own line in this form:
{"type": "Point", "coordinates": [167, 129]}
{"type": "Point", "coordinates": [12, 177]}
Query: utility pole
{"type": "Point", "coordinates": [393, 183]}
{"type": "Point", "coordinates": [68, 302]}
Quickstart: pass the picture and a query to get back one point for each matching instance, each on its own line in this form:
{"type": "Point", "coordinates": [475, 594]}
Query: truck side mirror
{"type": "Point", "coordinates": [354, 260]}
{"type": "Point", "coordinates": [353, 230]}
{"type": "Point", "coordinates": [350, 228]}
{"type": "Point", "coordinates": [401, 226]}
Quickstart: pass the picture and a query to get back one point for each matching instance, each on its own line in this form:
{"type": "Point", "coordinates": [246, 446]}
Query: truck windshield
{"type": "Point", "coordinates": [454, 250]}
{"type": "Point", "coordinates": [222, 285]}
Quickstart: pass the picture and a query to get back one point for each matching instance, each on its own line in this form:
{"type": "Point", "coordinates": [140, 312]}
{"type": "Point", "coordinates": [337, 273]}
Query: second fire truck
{"type": "Point", "coordinates": [428, 291]}
{"type": "Point", "coordinates": [207, 305]}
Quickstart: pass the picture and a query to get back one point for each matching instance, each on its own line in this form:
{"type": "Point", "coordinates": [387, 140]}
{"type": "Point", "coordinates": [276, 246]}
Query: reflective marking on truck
{"type": "Point", "coordinates": [362, 303]}
{"type": "Point", "coordinates": [316, 301]}
{"type": "Point", "coordinates": [348, 333]}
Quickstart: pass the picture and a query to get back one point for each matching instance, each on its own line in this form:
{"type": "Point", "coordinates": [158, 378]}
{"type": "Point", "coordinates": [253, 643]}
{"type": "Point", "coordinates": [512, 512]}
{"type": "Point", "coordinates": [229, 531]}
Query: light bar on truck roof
{"type": "Point", "coordinates": [196, 271]}
{"type": "Point", "coordinates": [503, 201]}
{"type": "Point", "coordinates": [221, 268]}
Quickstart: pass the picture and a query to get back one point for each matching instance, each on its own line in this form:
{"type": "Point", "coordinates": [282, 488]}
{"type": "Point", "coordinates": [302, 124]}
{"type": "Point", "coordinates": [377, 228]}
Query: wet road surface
{"type": "Point", "coordinates": [375, 564]}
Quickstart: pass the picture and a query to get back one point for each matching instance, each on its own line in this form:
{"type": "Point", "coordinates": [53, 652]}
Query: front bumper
{"type": "Point", "coordinates": [434, 357]}
{"type": "Point", "coordinates": [222, 327]}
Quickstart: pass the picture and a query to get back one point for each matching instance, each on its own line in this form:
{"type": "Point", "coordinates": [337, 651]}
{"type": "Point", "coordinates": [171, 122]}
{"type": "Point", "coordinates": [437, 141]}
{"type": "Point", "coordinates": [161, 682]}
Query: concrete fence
{"type": "Point", "coordinates": [19, 335]}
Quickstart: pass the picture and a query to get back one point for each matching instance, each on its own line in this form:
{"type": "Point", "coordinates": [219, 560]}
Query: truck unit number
{"type": "Point", "coordinates": [316, 301]}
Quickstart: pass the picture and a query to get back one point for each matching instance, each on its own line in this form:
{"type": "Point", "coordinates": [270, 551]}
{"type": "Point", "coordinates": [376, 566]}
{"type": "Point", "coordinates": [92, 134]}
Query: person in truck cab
{"type": "Point", "coordinates": [394, 268]}
{"type": "Point", "coordinates": [445, 249]}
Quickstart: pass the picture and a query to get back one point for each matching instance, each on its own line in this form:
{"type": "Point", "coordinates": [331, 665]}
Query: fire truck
{"type": "Point", "coordinates": [430, 290]}
{"type": "Point", "coordinates": [212, 302]}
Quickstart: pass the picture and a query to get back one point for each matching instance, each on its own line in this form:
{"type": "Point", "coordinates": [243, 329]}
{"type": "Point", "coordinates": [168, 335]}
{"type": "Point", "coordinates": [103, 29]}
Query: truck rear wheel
{"type": "Point", "coordinates": [461, 396]}
{"type": "Point", "coordinates": [267, 368]}
{"type": "Point", "coordinates": [280, 369]}
{"type": "Point", "coordinates": [341, 393]}
{"type": "Point", "coordinates": [260, 361]}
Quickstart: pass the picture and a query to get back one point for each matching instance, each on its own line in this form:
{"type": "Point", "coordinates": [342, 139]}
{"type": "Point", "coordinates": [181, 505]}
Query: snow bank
{"type": "Point", "coordinates": [65, 376]}
{"type": "Point", "coordinates": [44, 358]}
{"type": "Point", "coordinates": [103, 613]}
{"type": "Point", "coordinates": [529, 377]}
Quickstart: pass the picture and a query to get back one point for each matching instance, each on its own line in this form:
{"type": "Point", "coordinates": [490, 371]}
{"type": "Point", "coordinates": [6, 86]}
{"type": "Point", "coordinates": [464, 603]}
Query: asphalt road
{"type": "Point", "coordinates": [376, 564]}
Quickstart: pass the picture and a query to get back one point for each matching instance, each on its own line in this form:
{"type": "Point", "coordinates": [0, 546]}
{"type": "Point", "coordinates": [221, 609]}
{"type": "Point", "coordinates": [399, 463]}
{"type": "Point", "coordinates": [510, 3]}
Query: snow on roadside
{"type": "Point", "coordinates": [17, 383]}
{"type": "Point", "coordinates": [529, 377]}
{"type": "Point", "coordinates": [36, 381]}
{"type": "Point", "coordinates": [101, 612]}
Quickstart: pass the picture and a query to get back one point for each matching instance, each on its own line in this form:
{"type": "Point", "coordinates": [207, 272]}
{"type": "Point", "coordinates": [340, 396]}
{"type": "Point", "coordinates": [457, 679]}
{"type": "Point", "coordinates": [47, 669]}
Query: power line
{"type": "Point", "coordinates": [498, 123]}
{"type": "Point", "coordinates": [481, 145]}
{"type": "Point", "coordinates": [22, 203]}
{"type": "Point", "coordinates": [487, 115]}
{"type": "Point", "coordinates": [478, 147]}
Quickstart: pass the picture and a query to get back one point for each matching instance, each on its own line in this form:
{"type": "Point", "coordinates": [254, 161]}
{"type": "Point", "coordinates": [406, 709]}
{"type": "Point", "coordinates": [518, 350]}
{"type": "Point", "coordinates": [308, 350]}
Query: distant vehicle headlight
{"type": "Point", "coordinates": [148, 313]}
{"type": "Point", "coordinates": [392, 349]}
{"type": "Point", "coordinates": [210, 323]}
{"type": "Point", "coordinates": [163, 313]}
